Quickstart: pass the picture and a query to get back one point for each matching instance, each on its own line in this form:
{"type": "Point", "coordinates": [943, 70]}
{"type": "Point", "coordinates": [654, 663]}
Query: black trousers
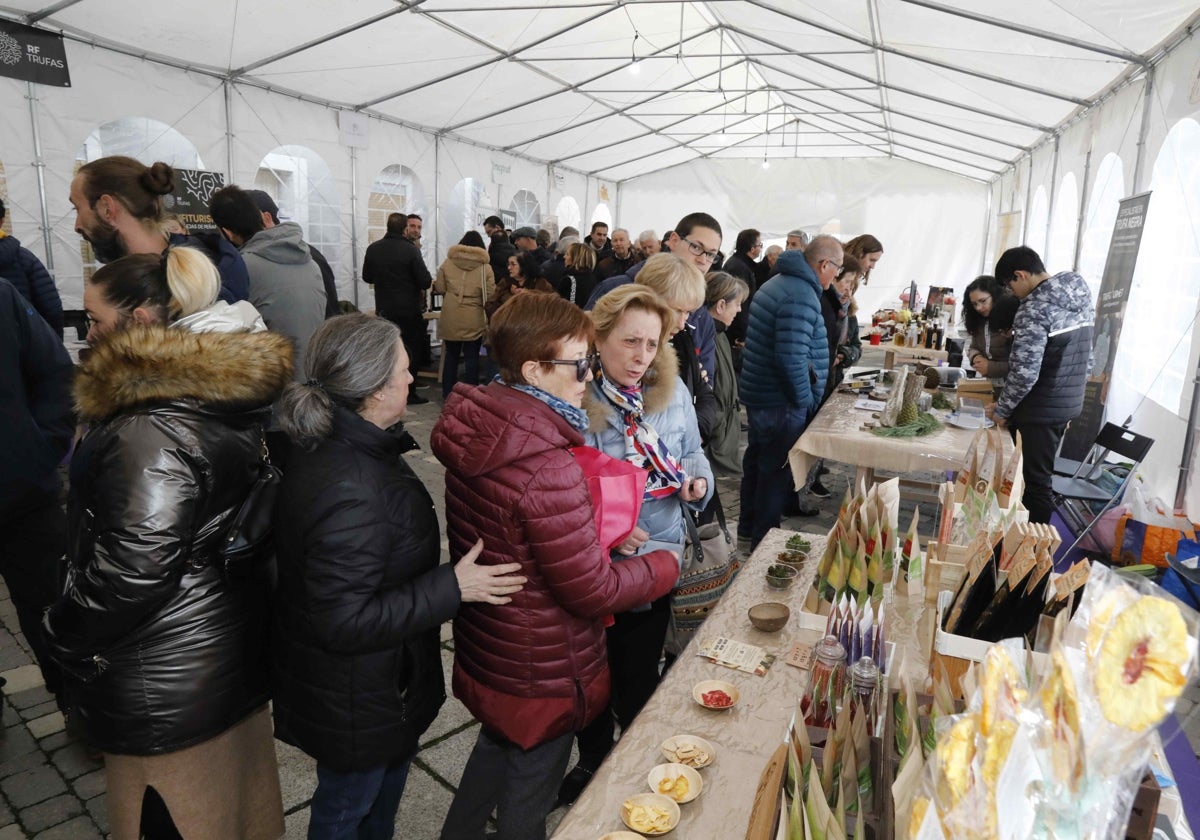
{"type": "Point", "coordinates": [635, 644]}
{"type": "Point", "coordinates": [1039, 443]}
{"type": "Point", "coordinates": [32, 548]}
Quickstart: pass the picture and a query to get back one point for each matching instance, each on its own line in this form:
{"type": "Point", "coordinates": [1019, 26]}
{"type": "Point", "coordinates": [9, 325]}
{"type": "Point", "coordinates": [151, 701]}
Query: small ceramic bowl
{"type": "Point", "coordinates": [691, 750]}
{"type": "Point", "coordinates": [781, 575]}
{"type": "Point", "coordinates": [652, 800]}
{"type": "Point", "coordinates": [769, 616]}
{"type": "Point", "coordinates": [793, 557]}
{"type": "Point", "coordinates": [707, 686]}
{"type": "Point", "coordinates": [666, 775]}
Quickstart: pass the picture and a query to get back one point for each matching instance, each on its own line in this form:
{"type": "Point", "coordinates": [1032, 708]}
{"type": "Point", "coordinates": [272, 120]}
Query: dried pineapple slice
{"type": "Point", "coordinates": [1141, 665]}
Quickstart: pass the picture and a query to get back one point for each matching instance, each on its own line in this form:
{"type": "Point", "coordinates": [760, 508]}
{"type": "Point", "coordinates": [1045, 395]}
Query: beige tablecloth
{"type": "Point", "coordinates": [743, 736]}
{"type": "Point", "coordinates": [836, 434]}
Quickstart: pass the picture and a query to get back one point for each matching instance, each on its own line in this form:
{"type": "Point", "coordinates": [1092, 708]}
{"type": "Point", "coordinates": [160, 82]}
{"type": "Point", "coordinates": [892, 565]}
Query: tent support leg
{"type": "Point", "coordinates": [1084, 195]}
{"type": "Point", "coordinates": [354, 224]}
{"type": "Point", "coordinates": [1028, 202]}
{"type": "Point", "coordinates": [437, 196]}
{"type": "Point", "coordinates": [228, 130]}
{"type": "Point", "coordinates": [1139, 168]}
{"type": "Point", "coordinates": [39, 164]}
{"type": "Point", "coordinates": [1053, 194]}
{"type": "Point", "coordinates": [987, 229]}
{"type": "Point", "coordinates": [1189, 446]}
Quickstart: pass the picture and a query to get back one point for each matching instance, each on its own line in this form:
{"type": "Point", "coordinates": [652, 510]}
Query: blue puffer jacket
{"type": "Point", "coordinates": [25, 271]}
{"type": "Point", "coordinates": [786, 360]}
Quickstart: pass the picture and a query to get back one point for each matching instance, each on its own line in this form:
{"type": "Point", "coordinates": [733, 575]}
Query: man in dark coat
{"type": "Point", "coordinates": [741, 264]}
{"type": "Point", "coordinates": [25, 271]}
{"type": "Point", "coordinates": [36, 425]}
{"type": "Point", "coordinates": [620, 260]}
{"type": "Point", "coordinates": [394, 266]}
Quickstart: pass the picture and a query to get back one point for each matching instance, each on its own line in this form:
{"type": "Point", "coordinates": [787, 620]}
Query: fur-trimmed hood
{"type": "Point", "coordinates": [147, 365]}
{"type": "Point", "coordinates": [658, 386]}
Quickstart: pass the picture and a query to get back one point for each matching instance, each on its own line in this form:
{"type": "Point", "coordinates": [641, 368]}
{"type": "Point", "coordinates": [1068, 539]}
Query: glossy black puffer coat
{"type": "Point", "coordinates": [162, 649]}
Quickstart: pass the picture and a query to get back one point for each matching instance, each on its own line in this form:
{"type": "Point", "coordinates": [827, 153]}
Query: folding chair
{"type": "Point", "coordinates": [1094, 458]}
{"type": "Point", "coordinates": [1085, 484]}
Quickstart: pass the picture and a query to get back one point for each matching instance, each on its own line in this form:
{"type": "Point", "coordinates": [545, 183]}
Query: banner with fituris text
{"type": "Point", "coordinates": [33, 55]}
{"type": "Point", "coordinates": [193, 189]}
{"type": "Point", "coordinates": [1111, 302]}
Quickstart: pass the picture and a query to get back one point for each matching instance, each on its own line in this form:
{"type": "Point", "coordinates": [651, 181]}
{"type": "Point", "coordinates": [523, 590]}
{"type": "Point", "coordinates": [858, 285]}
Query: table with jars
{"type": "Point", "coordinates": [744, 735]}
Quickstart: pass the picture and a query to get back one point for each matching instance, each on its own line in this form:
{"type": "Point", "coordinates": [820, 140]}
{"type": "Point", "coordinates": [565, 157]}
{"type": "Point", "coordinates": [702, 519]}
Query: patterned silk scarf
{"type": "Point", "coordinates": [577, 417]}
{"type": "Point", "coordinates": [643, 447]}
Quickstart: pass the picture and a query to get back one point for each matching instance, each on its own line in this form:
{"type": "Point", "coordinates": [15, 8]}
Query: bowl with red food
{"type": "Point", "coordinates": [715, 694]}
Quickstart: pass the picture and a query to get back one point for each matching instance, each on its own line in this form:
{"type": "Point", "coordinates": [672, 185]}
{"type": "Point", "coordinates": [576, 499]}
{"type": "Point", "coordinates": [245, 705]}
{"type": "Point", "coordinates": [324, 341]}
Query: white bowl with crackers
{"type": "Point", "coordinates": [690, 750]}
{"type": "Point", "coordinates": [677, 781]}
{"type": "Point", "coordinates": [651, 814]}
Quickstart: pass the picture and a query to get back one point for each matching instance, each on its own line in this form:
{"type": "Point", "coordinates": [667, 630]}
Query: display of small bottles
{"type": "Point", "coordinates": [828, 682]}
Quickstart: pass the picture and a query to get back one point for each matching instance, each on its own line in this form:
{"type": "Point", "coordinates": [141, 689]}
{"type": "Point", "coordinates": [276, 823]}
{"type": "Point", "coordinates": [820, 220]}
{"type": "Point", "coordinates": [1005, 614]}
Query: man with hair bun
{"type": "Point", "coordinates": [118, 210]}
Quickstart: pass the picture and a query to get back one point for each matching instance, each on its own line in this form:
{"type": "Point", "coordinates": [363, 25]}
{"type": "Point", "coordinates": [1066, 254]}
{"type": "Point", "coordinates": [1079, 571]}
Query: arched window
{"type": "Point", "coordinates": [1039, 215]}
{"type": "Point", "coordinates": [1107, 190]}
{"type": "Point", "coordinates": [1064, 222]}
{"type": "Point", "coordinates": [527, 209]}
{"type": "Point", "coordinates": [568, 213]}
{"type": "Point", "coordinates": [143, 139]}
{"type": "Point", "coordinates": [602, 214]}
{"type": "Point", "coordinates": [396, 189]}
{"type": "Point", "coordinates": [1157, 339]}
{"type": "Point", "coordinates": [302, 185]}
{"type": "Point", "coordinates": [462, 210]}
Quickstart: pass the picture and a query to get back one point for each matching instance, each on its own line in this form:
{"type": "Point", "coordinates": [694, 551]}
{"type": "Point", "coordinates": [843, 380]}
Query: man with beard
{"type": "Point", "coordinates": [621, 259]}
{"type": "Point", "coordinates": [118, 210]}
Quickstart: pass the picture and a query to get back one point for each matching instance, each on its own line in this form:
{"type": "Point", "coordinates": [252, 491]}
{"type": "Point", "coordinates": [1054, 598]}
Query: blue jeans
{"type": "Point", "coordinates": [766, 476]}
{"type": "Point", "coordinates": [359, 805]}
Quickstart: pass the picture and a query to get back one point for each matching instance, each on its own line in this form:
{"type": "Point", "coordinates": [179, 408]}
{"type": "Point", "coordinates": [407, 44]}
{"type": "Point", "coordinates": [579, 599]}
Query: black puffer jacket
{"type": "Point", "coordinates": [357, 668]}
{"type": "Point", "coordinates": [161, 649]}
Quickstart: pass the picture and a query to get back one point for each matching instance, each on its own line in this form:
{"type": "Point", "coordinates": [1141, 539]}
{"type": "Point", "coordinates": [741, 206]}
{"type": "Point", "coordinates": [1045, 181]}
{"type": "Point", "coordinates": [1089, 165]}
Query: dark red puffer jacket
{"type": "Point", "coordinates": [535, 668]}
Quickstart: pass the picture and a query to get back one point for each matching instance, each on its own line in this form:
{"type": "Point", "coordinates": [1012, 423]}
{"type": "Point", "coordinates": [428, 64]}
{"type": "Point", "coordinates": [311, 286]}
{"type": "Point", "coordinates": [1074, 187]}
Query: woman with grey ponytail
{"type": "Point", "coordinates": [361, 597]}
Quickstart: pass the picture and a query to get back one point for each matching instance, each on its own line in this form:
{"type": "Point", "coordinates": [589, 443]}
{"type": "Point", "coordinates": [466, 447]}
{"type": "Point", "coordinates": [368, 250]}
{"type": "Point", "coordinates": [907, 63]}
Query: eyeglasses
{"type": "Point", "coordinates": [698, 250]}
{"type": "Point", "coordinates": [838, 266]}
{"type": "Point", "coordinates": [983, 301]}
{"type": "Point", "coordinates": [582, 366]}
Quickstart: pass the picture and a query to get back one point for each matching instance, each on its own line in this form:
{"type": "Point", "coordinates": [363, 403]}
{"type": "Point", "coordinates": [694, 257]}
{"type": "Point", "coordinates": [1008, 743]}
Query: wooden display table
{"type": "Point", "coordinates": [743, 736]}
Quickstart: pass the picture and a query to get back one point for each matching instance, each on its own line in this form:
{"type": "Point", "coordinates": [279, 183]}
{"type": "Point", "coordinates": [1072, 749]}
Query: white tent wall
{"type": "Point", "coordinates": [931, 223]}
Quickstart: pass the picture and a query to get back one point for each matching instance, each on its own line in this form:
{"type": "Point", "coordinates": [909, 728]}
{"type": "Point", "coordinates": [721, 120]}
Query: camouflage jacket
{"type": "Point", "coordinates": [1051, 352]}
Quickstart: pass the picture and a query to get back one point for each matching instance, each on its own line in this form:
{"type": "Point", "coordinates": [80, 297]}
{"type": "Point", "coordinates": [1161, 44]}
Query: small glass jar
{"type": "Point", "coordinates": [828, 681]}
{"type": "Point", "coordinates": [864, 678]}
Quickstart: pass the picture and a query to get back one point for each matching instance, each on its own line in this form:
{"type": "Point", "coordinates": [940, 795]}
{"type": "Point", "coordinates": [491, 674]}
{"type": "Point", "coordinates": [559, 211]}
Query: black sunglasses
{"type": "Point", "coordinates": [582, 366]}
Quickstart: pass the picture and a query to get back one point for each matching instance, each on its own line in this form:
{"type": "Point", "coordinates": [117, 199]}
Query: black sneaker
{"type": "Point", "coordinates": [822, 470]}
{"type": "Point", "coordinates": [573, 785]}
{"type": "Point", "coordinates": [416, 399]}
{"type": "Point", "coordinates": [806, 508]}
{"type": "Point", "coordinates": [819, 490]}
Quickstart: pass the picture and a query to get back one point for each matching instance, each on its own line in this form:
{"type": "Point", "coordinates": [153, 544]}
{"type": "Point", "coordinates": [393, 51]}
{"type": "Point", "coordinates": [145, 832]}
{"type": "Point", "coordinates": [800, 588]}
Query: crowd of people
{"type": "Point", "coordinates": [214, 360]}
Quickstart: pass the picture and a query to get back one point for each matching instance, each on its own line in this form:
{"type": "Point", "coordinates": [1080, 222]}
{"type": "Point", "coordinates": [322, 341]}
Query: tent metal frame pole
{"type": "Point", "coordinates": [225, 83]}
{"type": "Point", "coordinates": [437, 195]}
{"type": "Point", "coordinates": [987, 232]}
{"type": "Point", "coordinates": [39, 164]}
{"type": "Point", "coordinates": [34, 17]}
{"type": "Point", "coordinates": [1053, 195]}
{"type": "Point", "coordinates": [354, 224]}
{"type": "Point", "coordinates": [1028, 202]}
{"type": "Point", "coordinates": [1084, 194]}
{"type": "Point", "coordinates": [1139, 167]}
{"type": "Point", "coordinates": [944, 65]}
{"type": "Point", "coordinates": [1189, 446]}
{"type": "Point", "coordinates": [1124, 55]}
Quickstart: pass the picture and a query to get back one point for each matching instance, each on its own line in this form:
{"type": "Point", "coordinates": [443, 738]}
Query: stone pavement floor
{"type": "Point", "coordinates": [50, 790]}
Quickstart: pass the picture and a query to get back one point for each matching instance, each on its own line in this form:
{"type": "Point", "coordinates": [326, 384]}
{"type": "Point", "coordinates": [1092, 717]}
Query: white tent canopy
{"type": "Point", "coordinates": [925, 123]}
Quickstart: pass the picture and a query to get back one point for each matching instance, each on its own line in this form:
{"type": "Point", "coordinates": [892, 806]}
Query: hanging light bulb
{"type": "Point", "coordinates": [634, 67]}
{"type": "Point", "coordinates": [766, 163]}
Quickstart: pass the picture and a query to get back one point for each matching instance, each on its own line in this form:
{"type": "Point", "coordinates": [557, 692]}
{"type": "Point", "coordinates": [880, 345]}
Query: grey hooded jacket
{"type": "Point", "coordinates": [286, 286]}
